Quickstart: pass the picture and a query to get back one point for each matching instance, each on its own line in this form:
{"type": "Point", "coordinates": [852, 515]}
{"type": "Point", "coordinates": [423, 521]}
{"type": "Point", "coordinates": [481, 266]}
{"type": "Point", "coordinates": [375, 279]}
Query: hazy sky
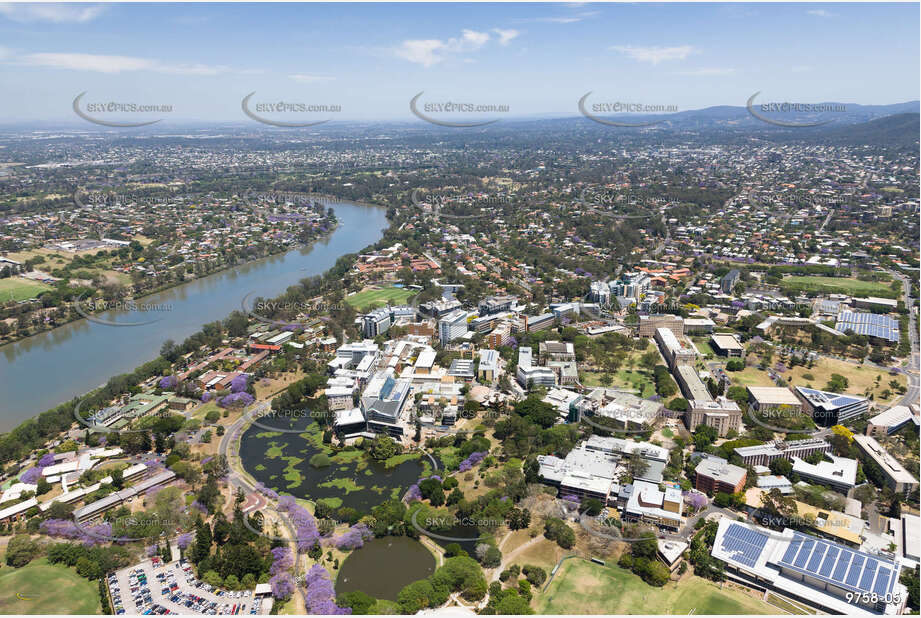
{"type": "Point", "coordinates": [371, 59]}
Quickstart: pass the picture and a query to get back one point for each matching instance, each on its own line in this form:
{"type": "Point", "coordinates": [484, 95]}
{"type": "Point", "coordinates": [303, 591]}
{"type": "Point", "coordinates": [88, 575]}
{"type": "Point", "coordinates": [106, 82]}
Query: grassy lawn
{"type": "Point", "coordinates": [840, 285]}
{"type": "Point", "coordinates": [367, 299]}
{"type": "Point", "coordinates": [860, 377]}
{"type": "Point", "coordinates": [703, 346]}
{"type": "Point", "coordinates": [630, 380]}
{"type": "Point", "coordinates": [42, 588]}
{"type": "Point", "coordinates": [581, 587]}
{"type": "Point", "coordinates": [20, 289]}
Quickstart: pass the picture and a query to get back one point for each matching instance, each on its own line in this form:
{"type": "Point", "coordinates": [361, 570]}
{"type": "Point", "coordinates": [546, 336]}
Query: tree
{"type": "Point", "coordinates": [535, 574]}
{"type": "Point", "coordinates": [88, 568]}
{"type": "Point", "coordinates": [781, 467]}
{"type": "Point", "coordinates": [704, 436]}
{"type": "Point", "coordinates": [555, 529]}
{"type": "Point", "coordinates": [384, 447]}
{"type": "Point", "coordinates": [21, 550]}
{"type": "Point", "coordinates": [360, 602]}
{"type": "Point", "coordinates": [679, 404]}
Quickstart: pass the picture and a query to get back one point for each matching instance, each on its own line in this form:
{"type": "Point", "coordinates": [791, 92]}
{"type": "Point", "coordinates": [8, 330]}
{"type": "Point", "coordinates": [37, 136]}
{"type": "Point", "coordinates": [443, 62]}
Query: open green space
{"type": "Point", "coordinates": [838, 285]}
{"type": "Point", "coordinates": [20, 289]}
{"type": "Point", "coordinates": [368, 299]}
{"type": "Point", "coordinates": [582, 587]}
{"type": "Point", "coordinates": [42, 588]}
{"type": "Point", "coordinates": [638, 381]}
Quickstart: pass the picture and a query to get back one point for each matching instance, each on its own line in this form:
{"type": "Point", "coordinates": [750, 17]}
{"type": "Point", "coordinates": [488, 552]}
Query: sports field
{"type": "Point", "coordinates": [581, 587]}
{"type": "Point", "coordinates": [841, 285]}
{"type": "Point", "coordinates": [42, 588]}
{"type": "Point", "coordinates": [13, 288]}
{"type": "Point", "coordinates": [368, 299]}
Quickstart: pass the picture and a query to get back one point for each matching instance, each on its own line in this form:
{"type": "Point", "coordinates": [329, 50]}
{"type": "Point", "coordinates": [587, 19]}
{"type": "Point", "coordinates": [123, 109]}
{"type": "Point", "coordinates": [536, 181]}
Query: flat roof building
{"type": "Point", "coordinates": [715, 474]}
{"type": "Point", "coordinates": [897, 477]}
{"type": "Point", "coordinates": [766, 398]}
{"type": "Point", "coordinates": [726, 345]}
{"type": "Point", "coordinates": [890, 421]}
{"type": "Point", "coordinates": [840, 473]}
{"type": "Point", "coordinates": [722, 414]}
{"type": "Point", "coordinates": [829, 409]}
{"type": "Point", "coordinates": [825, 575]}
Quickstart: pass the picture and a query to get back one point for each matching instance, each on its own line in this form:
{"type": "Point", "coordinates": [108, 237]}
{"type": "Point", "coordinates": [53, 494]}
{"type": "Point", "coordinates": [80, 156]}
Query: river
{"type": "Point", "coordinates": [42, 371]}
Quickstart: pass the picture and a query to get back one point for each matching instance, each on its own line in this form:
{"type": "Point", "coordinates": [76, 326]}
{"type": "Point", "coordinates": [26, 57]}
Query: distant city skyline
{"type": "Point", "coordinates": [370, 60]}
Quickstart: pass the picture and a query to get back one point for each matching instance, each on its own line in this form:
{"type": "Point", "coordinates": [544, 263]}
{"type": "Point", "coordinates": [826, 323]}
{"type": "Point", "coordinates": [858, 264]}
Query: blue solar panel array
{"type": "Point", "coordinates": [838, 565]}
{"type": "Point", "coordinates": [744, 544]}
{"type": "Point", "coordinates": [870, 324]}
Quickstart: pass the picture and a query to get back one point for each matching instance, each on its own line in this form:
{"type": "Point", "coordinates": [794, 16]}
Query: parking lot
{"type": "Point", "coordinates": [154, 587]}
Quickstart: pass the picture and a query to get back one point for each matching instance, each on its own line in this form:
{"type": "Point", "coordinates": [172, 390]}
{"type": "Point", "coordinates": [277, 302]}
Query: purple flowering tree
{"type": "Point", "coordinates": [353, 538]}
{"type": "Point", "coordinates": [31, 476]}
{"type": "Point", "coordinates": [471, 461]}
{"type": "Point", "coordinates": [46, 460]}
{"type": "Point", "coordinates": [184, 540]}
{"type": "Point", "coordinates": [695, 500]}
{"type": "Point", "coordinates": [320, 595]}
{"type": "Point", "coordinates": [282, 585]}
{"type": "Point", "coordinates": [282, 560]}
{"type": "Point", "coordinates": [235, 400]}
{"type": "Point", "coordinates": [239, 383]}
{"type": "Point", "coordinates": [168, 382]}
{"type": "Point", "coordinates": [305, 525]}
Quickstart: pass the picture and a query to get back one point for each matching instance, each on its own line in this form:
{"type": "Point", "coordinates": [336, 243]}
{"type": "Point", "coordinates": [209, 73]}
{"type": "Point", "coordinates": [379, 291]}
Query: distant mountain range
{"type": "Point", "coordinates": [892, 126]}
{"type": "Point", "coordinates": [730, 116]}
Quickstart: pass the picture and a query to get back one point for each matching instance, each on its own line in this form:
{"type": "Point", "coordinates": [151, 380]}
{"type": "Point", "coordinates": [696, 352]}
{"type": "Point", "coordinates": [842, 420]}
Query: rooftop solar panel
{"type": "Point", "coordinates": [792, 548]}
{"type": "Point", "coordinates": [744, 544]}
{"type": "Point", "coordinates": [817, 556]}
{"type": "Point", "coordinates": [804, 553]}
{"type": "Point", "coordinates": [854, 573]}
{"type": "Point", "coordinates": [843, 563]}
{"type": "Point", "coordinates": [830, 556]}
{"type": "Point", "coordinates": [882, 581]}
{"type": "Point", "coordinates": [868, 572]}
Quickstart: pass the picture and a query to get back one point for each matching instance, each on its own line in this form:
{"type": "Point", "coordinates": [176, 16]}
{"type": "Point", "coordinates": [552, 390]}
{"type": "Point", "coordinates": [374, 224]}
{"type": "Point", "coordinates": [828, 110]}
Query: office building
{"type": "Point", "coordinates": [674, 352]}
{"type": "Point", "coordinates": [823, 574]}
{"type": "Point", "coordinates": [829, 409]}
{"type": "Point", "coordinates": [452, 325]}
{"type": "Point", "coordinates": [726, 345]}
{"type": "Point", "coordinates": [723, 414]}
{"type": "Point", "coordinates": [715, 474]}
{"type": "Point", "coordinates": [488, 369]}
{"type": "Point", "coordinates": [897, 478]}
{"type": "Point", "coordinates": [529, 374]}
{"type": "Point", "coordinates": [649, 324]}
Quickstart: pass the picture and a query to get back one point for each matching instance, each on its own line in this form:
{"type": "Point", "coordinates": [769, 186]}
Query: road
{"type": "Point", "coordinates": [914, 360]}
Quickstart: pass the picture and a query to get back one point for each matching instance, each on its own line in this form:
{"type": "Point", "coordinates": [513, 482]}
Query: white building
{"type": "Point", "coordinates": [452, 325]}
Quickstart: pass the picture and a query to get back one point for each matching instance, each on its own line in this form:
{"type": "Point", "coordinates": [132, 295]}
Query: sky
{"type": "Point", "coordinates": [372, 59]}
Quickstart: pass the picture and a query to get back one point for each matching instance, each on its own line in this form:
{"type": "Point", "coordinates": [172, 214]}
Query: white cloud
{"type": "Point", "coordinates": [310, 79]}
{"type": "Point", "coordinates": [421, 51]}
{"type": "Point", "coordinates": [820, 13]}
{"type": "Point", "coordinates": [117, 64]}
{"type": "Point", "coordinates": [655, 55]}
{"type": "Point", "coordinates": [505, 36]}
{"type": "Point", "coordinates": [566, 19]}
{"type": "Point", "coordinates": [428, 52]}
{"type": "Point", "coordinates": [56, 13]}
{"type": "Point", "coordinates": [707, 72]}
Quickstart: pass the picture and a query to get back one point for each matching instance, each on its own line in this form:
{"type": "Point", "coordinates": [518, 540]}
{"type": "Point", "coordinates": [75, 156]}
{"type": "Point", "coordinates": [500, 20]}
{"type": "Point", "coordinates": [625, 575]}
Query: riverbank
{"type": "Point", "coordinates": [133, 299]}
{"type": "Point", "coordinates": [84, 352]}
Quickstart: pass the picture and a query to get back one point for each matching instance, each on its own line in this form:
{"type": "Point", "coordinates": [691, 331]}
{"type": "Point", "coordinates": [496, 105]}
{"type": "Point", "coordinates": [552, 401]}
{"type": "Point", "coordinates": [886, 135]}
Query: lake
{"type": "Point", "coordinates": [281, 460]}
{"type": "Point", "coordinates": [384, 566]}
{"type": "Point", "coordinates": [43, 371]}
